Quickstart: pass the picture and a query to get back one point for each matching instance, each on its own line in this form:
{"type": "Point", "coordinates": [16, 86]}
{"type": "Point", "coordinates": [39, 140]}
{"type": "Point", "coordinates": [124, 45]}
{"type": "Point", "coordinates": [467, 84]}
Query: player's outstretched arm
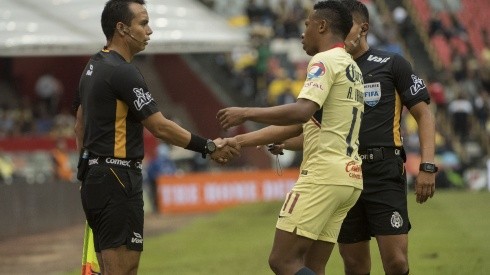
{"type": "Point", "coordinates": [288, 114]}
{"type": "Point", "coordinates": [270, 134]}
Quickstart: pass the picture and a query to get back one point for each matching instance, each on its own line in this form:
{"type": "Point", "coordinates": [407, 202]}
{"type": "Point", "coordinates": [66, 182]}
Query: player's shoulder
{"type": "Point", "coordinates": [382, 56]}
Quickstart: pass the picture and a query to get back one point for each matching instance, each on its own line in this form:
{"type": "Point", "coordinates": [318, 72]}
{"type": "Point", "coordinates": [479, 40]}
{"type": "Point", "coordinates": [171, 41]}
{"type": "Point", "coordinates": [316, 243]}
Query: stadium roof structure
{"type": "Point", "coordinates": [72, 27]}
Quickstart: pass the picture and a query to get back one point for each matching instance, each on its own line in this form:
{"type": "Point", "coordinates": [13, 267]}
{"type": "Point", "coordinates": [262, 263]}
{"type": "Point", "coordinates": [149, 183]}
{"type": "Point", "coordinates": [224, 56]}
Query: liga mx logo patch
{"type": "Point", "coordinates": [396, 220]}
{"type": "Point", "coordinates": [316, 70]}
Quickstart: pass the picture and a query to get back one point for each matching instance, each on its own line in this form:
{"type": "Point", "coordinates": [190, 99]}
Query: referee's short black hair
{"type": "Point", "coordinates": [357, 8]}
{"type": "Point", "coordinates": [116, 11]}
{"type": "Point", "coordinates": [336, 14]}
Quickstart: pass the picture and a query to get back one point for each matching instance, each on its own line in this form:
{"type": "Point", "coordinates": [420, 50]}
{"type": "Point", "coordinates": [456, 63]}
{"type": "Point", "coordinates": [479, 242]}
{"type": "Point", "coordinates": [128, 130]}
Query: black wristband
{"type": "Point", "coordinates": [197, 144]}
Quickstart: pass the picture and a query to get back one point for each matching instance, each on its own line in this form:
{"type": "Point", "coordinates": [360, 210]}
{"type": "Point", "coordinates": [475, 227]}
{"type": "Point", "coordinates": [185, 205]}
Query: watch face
{"type": "Point", "coordinates": [211, 146]}
{"type": "Point", "coordinates": [428, 167]}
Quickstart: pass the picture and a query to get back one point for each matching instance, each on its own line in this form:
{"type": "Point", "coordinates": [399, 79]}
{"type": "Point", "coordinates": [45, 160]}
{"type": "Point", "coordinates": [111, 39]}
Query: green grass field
{"type": "Point", "coordinates": [449, 236]}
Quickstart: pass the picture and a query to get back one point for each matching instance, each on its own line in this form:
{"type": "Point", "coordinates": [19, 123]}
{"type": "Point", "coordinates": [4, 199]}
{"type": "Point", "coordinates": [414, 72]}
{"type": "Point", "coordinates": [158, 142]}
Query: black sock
{"type": "Point", "coordinates": [305, 271]}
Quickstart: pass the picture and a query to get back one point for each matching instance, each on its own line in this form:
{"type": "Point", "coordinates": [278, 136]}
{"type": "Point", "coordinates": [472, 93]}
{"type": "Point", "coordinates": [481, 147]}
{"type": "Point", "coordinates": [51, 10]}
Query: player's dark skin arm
{"type": "Point", "coordinates": [292, 144]}
{"type": "Point", "coordinates": [270, 134]}
{"type": "Point", "coordinates": [289, 114]}
{"type": "Point", "coordinates": [425, 182]}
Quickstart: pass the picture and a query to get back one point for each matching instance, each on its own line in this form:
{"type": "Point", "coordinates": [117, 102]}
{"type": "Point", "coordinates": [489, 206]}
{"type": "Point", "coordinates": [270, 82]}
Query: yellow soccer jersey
{"type": "Point", "coordinates": [330, 150]}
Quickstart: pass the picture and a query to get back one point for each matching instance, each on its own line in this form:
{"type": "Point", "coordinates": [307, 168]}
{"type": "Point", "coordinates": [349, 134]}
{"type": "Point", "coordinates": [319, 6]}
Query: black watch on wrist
{"type": "Point", "coordinates": [428, 167]}
{"type": "Point", "coordinates": [209, 149]}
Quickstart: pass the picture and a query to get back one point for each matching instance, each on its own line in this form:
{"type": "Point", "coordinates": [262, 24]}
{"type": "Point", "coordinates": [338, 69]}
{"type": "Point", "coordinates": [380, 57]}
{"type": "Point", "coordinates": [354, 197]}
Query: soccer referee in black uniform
{"type": "Point", "coordinates": [113, 105]}
{"type": "Point", "coordinates": [381, 211]}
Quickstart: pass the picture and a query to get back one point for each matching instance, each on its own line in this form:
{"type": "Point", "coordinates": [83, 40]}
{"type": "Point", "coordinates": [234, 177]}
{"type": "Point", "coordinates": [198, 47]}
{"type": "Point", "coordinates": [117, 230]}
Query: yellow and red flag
{"type": "Point", "coordinates": [90, 265]}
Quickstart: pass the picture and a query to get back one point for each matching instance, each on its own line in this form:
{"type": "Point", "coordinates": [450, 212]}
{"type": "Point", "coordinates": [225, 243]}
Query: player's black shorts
{"type": "Point", "coordinates": [112, 198]}
{"type": "Point", "coordinates": [382, 206]}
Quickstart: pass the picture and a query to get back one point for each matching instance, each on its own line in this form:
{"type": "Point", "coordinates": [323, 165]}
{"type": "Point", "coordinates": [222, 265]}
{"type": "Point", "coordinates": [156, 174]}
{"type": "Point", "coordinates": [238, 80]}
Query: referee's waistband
{"type": "Point", "coordinates": [380, 153]}
{"type": "Point", "coordinates": [118, 162]}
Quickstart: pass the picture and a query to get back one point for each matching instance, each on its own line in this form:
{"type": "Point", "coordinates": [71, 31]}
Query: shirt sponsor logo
{"type": "Point", "coordinates": [90, 70]}
{"type": "Point", "coordinates": [126, 163]}
{"type": "Point", "coordinates": [418, 84]}
{"type": "Point", "coordinates": [378, 59]}
{"type": "Point", "coordinates": [316, 70]}
{"type": "Point", "coordinates": [353, 74]}
{"type": "Point", "coordinates": [93, 161]}
{"type": "Point", "coordinates": [372, 93]}
{"type": "Point", "coordinates": [313, 84]}
{"type": "Point", "coordinates": [142, 98]}
{"type": "Point", "coordinates": [137, 238]}
{"type": "Point", "coordinates": [354, 170]}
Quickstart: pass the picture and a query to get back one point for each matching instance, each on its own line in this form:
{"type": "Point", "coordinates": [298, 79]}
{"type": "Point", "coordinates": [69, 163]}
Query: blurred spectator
{"type": "Point", "coordinates": [25, 122]}
{"type": "Point", "coordinates": [280, 84]}
{"type": "Point", "coordinates": [61, 161]}
{"type": "Point", "coordinates": [457, 29]}
{"type": "Point", "coordinates": [482, 107]}
{"type": "Point", "coordinates": [6, 169]}
{"type": "Point", "coordinates": [259, 14]}
{"type": "Point", "coordinates": [161, 165]}
{"type": "Point", "coordinates": [49, 90]}
{"type": "Point", "coordinates": [437, 93]}
{"type": "Point", "coordinates": [286, 97]}
{"type": "Point", "coordinates": [289, 19]}
{"type": "Point", "coordinates": [43, 123]}
{"type": "Point", "coordinates": [63, 124]}
{"type": "Point", "coordinates": [7, 121]}
{"type": "Point", "coordinates": [400, 16]}
{"type": "Point", "coordinates": [437, 27]}
{"type": "Point", "coordinates": [485, 61]}
{"type": "Point", "coordinates": [461, 110]}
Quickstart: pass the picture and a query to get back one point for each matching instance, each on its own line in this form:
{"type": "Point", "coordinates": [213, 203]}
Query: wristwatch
{"type": "Point", "coordinates": [209, 149]}
{"type": "Point", "coordinates": [428, 167]}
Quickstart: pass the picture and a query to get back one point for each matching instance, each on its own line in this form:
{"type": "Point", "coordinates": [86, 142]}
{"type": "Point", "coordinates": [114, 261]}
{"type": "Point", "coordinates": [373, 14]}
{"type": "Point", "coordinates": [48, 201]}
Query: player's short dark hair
{"type": "Point", "coordinates": [357, 8]}
{"type": "Point", "coordinates": [336, 14]}
{"type": "Point", "coordinates": [116, 11]}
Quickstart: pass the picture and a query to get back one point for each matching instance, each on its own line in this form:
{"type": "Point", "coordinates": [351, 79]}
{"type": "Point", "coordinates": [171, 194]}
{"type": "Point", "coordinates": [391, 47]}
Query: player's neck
{"type": "Point", "coordinates": [122, 50]}
{"type": "Point", "coordinates": [363, 48]}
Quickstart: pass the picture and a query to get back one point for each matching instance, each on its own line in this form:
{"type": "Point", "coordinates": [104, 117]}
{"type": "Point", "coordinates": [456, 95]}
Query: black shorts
{"type": "Point", "coordinates": [112, 198]}
{"type": "Point", "coordinates": [382, 206]}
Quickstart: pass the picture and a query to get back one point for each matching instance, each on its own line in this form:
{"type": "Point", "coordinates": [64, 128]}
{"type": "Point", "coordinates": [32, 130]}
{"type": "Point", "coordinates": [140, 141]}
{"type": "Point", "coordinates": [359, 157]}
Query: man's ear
{"type": "Point", "coordinates": [364, 28]}
{"type": "Point", "coordinates": [323, 26]}
{"type": "Point", "coordinates": [120, 28]}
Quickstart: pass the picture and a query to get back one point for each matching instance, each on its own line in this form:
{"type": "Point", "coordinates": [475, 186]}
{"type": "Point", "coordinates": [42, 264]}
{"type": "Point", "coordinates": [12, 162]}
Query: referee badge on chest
{"type": "Point", "coordinates": [372, 93]}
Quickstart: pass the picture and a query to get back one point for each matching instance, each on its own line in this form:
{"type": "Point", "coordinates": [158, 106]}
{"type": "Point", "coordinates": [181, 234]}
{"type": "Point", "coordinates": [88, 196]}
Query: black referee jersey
{"type": "Point", "coordinates": [115, 99]}
{"type": "Point", "coordinates": [389, 84]}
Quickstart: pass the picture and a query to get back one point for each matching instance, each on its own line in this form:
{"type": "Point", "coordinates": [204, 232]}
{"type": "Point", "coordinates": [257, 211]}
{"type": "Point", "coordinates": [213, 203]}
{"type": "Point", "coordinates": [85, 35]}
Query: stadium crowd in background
{"type": "Point", "coordinates": [268, 73]}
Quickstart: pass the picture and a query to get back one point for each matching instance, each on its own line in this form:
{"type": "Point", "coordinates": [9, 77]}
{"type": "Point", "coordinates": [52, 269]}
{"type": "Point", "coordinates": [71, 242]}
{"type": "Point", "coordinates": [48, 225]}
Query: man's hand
{"type": "Point", "coordinates": [274, 148]}
{"type": "Point", "coordinates": [226, 149]}
{"type": "Point", "coordinates": [425, 186]}
{"type": "Point", "coordinates": [232, 116]}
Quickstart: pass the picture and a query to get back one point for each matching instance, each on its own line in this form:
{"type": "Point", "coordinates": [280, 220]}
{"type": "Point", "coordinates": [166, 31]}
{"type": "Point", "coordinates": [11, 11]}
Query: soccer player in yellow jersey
{"type": "Point", "coordinates": [328, 112]}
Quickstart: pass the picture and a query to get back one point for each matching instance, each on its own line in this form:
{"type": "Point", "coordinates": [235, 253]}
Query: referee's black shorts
{"type": "Point", "coordinates": [382, 206]}
{"type": "Point", "coordinates": [112, 198]}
